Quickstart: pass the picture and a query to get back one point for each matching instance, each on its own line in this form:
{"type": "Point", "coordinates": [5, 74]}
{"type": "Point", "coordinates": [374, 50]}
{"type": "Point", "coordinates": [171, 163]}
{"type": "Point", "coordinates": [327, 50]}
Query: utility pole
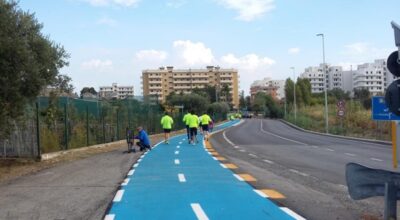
{"type": "Point", "coordinates": [294, 94]}
{"type": "Point", "coordinates": [325, 84]}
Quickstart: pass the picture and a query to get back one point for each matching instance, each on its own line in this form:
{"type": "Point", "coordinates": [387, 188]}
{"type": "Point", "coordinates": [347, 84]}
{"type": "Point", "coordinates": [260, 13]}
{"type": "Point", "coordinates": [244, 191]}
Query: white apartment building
{"type": "Point", "coordinates": [275, 88]}
{"type": "Point", "coordinates": [116, 92]}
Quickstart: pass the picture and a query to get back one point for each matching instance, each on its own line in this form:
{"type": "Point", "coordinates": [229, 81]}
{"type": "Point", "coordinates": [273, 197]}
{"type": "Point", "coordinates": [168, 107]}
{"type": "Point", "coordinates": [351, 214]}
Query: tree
{"type": "Point", "coordinates": [29, 61]}
{"type": "Point", "coordinates": [90, 90]}
{"type": "Point", "coordinates": [242, 101]}
{"type": "Point", "coordinates": [339, 94]}
{"type": "Point", "coordinates": [189, 101]}
{"type": "Point", "coordinates": [364, 96]}
{"type": "Point", "coordinates": [289, 90]}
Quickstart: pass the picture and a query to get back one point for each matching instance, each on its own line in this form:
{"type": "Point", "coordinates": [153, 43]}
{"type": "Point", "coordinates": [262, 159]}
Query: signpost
{"type": "Point", "coordinates": [341, 111]}
{"type": "Point", "coordinates": [380, 111]}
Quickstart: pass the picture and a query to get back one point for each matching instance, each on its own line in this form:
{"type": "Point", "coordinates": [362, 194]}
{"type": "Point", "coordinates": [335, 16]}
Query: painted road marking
{"type": "Point", "coordinates": [261, 193]}
{"type": "Point", "coordinates": [376, 159]}
{"type": "Point", "coordinates": [227, 139]}
{"type": "Point", "coordinates": [178, 146]}
{"type": "Point", "coordinates": [140, 160]}
{"type": "Point", "coordinates": [223, 165]}
{"type": "Point", "coordinates": [130, 173]}
{"type": "Point", "coordinates": [180, 142]}
{"type": "Point", "coordinates": [136, 165]}
{"type": "Point", "coordinates": [230, 166]}
{"type": "Point", "coordinates": [242, 150]}
{"type": "Point", "coordinates": [177, 162]}
{"type": "Point", "coordinates": [349, 154]}
{"type": "Point", "coordinates": [181, 178]}
{"type": "Point", "coordinates": [221, 158]}
{"type": "Point", "coordinates": [214, 158]}
{"type": "Point", "coordinates": [235, 147]}
{"type": "Point", "coordinates": [269, 161]}
{"type": "Point", "coordinates": [209, 152]}
{"type": "Point", "coordinates": [109, 217]}
{"type": "Point", "coordinates": [247, 177]}
{"type": "Point", "coordinates": [314, 146]}
{"type": "Point", "coordinates": [214, 154]}
{"type": "Point", "coordinates": [141, 157]}
{"type": "Point", "coordinates": [293, 214]}
{"type": "Point", "coordinates": [126, 181]}
{"type": "Point", "coordinates": [273, 194]}
{"type": "Point", "coordinates": [118, 196]}
{"type": "Point", "coordinates": [177, 152]}
{"type": "Point", "coordinates": [331, 150]}
{"type": "Point", "coordinates": [238, 177]}
{"type": "Point", "coordinates": [252, 155]}
{"type": "Point", "coordinates": [267, 132]}
{"type": "Point", "coordinates": [200, 214]}
{"type": "Point", "coordinates": [298, 172]}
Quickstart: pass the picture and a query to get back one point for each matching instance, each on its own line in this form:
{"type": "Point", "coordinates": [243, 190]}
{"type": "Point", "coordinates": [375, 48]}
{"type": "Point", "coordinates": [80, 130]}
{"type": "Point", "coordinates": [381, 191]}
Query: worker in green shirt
{"type": "Point", "coordinates": [205, 121]}
{"type": "Point", "coordinates": [193, 125]}
{"type": "Point", "coordinates": [166, 122]}
{"type": "Point", "coordinates": [185, 120]}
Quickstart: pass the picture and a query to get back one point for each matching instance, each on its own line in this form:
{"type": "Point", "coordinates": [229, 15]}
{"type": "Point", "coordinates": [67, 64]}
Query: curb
{"type": "Point", "coordinates": [337, 136]}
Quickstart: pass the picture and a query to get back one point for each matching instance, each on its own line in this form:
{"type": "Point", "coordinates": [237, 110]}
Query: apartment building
{"type": "Point", "coordinates": [161, 82]}
{"type": "Point", "coordinates": [274, 88]}
{"type": "Point", "coordinates": [116, 92]}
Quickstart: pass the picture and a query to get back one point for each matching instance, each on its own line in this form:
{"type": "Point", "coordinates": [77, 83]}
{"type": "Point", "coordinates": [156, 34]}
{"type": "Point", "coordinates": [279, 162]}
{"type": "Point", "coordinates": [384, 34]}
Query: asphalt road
{"type": "Point", "coordinates": [309, 169]}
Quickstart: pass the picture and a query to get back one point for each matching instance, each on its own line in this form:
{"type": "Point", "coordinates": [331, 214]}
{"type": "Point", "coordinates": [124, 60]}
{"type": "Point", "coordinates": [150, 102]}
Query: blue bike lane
{"type": "Point", "coordinates": [183, 181]}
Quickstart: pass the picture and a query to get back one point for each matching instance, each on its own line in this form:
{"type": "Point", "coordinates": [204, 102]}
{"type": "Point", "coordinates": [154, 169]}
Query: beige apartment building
{"type": "Point", "coordinates": [161, 82]}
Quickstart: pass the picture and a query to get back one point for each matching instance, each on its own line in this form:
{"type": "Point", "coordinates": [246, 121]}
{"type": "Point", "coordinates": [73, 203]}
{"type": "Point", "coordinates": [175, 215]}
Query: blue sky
{"type": "Point", "coordinates": [114, 40]}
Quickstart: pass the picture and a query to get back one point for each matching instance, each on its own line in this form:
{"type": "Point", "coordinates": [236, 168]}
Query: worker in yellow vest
{"type": "Point", "coordinates": [166, 122]}
{"type": "Point", "coordinates": [205, 121]}
{"type": "Point", "coordinates": [185, 120]}
{"type": "Point", "coordinates": [193, 125]}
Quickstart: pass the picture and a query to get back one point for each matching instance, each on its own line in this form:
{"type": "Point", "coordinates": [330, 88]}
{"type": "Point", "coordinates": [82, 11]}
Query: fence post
{"type": "Point", "coordinates": [66, 126]}
{"type": "Point", "coordinates": [117, 123]}
{"type": "Point", "coordinates": [87, 125]}
{"type": "Point", "coordinates": [39, 153]}
{"type": "Point", "coordinates": [104, 127]}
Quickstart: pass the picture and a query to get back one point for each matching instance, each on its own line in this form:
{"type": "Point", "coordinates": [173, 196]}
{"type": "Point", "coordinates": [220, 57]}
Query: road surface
{"type": "Point", "coordinates": [308, 169]}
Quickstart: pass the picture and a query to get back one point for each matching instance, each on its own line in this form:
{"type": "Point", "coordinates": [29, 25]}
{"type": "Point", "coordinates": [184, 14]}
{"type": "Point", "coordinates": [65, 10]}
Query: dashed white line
{"type": "Point", "coordinates": [222, 165]}
{"type": "Point", "coordinates": [328, 149]}
{"type": "Point", "coordinates": [238, 177]}
{"type": "Point", "coordinates": [109, 217]}
{"type": "Point", "coordinates": [261, 193]}
{"type": "Point", "coordinates": [267, 132]}
{"type": "Point", "coordinates": [214, 158]}
{"type": "Point", "coordinates": [293, 214]}
{"type": "Point", "coordinates": [141, 157]}
{"type": "Point", "coordinates": [177, 152]}
{"type": "Point", "coordinates": [235, 147]}
{"type": "Point", "coordinates": [298, 172]}
{"type": "Point", "coordinates": [227, 140]}
{"type": "Point", "coordinates": [269, 161]}
{"type": "Point", "coordinates": [118, 196]}
{"type": "Point", "coordinates": [349, 154]}
{"type": "Point", "coordinates": [140, 160]}
{"type": "Point", "coordinates": [242, 150]}
{"type": "Point", "coordinates": [136, 165]}
{"type": "Point", "coordinates": [180, 142]}
{"type": "Point", "coordinates": [376, 159]}
{"type": "Point", "coordinates": [130, 173]}
{"type": "Point", "coordinates": [178, 146]}
{"type": "Point", "coordinates": [181, 178]}
{"type": "Point", "coordinates": [252, 155]}
{"type": "Point", "coordinates": [315, 147]}
{"type": "Point", "coordinates": [126, 181]}
{"type": "Point", "coordinates": [200, 214]}
{"type": "Point", "coordinates": [177, 162]}
{"type": "Point", "coordinates": [209, 152]}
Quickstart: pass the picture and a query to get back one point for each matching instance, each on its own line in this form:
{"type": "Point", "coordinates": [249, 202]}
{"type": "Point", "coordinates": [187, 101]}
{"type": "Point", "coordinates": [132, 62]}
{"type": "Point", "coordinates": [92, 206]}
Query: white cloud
{"type": "Point", "coordinates": [248, 9]}
{"type": "Point", "coordinates": [294, 50]}
{"type": "Point", "coordinates": [360, 52]}
{"type": "Point", "coordinates": [249, 61]}
{"type": "Point", "coordinates": [357, 48]}
{"type": "Point", "coordinates": [124, 3]}
{"type": "Point", "coordinates": [107, 21]}
{"type": "Point", "coordinates": [151, 55]}
{"type": "Point", "coordinates": [176, 3]}
{"type": "Point", "coordinates": [97, 65]}
{"type": "Point", "coordinates": [193, 53]}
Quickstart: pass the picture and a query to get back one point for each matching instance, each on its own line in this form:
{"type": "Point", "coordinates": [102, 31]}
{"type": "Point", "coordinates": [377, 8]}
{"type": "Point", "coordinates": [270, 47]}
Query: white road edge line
{"type": "Point", "coordinates": [177, 152]}
{"type": "Point", "coordinates": [214, 158]}
{"type": "Point", "coordinates": [269, 161]}
{"type": "Point", "coordinates": [181, 178]}
{"type": "Point", "coordinates": [136, 165]}
{"type": "Point", "coordinates": [126, 181]}
{"type": "Point", "coordinates": [291, 213]}
{"type": "Point", "coordinates": [177, 162]}
{"type": "Point", "coordinates": [253, 155]}
{"type": "Point", "coordinates": [236, 147]}
{"type": "Point", "coordinates": [238, 177]}
{"type": "Point", "coordinates": [242, 150]}
{"type": "Point", "coordinates": [222, 165]}
{"type": "Point", "coordinates": [298, 172]}
{"type": "Point", "coordinates": [109, 217]}
{"type": "Point", "coordinates": [331, 150]}
{"type": "Point", "coordinates": [227, 139]}
{"type": "Point", "coordinates": [178, 146]}
{"type": "Point", "coordinates": [376, 159]}
{"type": "Point", "coordinates": [267, 132]}
{"type": "Point", "coordinates": [200, 214]}
{"type": "Point", "coordinates": [130, 173]}
{"type": "Point", "coordinates": [118, 195]}
{"type": "Point", "coordinates": [349, 154]}
{"type": "Point", "coordinates": [261, 193]}
{"type": "Point", "coordinates": [180, 142]}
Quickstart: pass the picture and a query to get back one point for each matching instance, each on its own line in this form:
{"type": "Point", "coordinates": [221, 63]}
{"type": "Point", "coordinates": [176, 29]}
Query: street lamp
{"type": "Point", "coordinates": [326, 96]}
{"type": "Point", "coordinates": [294, 94]}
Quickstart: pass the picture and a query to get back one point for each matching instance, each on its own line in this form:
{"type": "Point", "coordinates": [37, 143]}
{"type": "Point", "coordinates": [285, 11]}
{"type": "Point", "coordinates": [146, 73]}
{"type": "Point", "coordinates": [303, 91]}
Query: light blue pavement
{"type": "Point", "coordinates": [182, 181]}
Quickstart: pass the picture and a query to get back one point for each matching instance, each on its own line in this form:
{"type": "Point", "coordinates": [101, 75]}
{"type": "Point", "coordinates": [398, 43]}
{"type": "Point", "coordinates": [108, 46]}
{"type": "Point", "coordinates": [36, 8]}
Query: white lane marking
{"type": "Point", "coordinates": [118, 196]}
{"type": "Point", "coordinates": [328, 149]}
{"type": "Point", "coordinates": [131, 172]}
{"type": "Point", "coordinates": [293, 214]}
{"type": "Point", "coordinates": [140, 160]}
{"type": "Point", "coordinates": [214, 158]}
{"type": "Point", "coordinates": [252, 155]}
{"type": "Point", "coordinates": [235, 147]}
{"type": "Point", "coordinates": [315, 147]}
{"type": "Point", "coordinates": [349, 154]}
{"type": "Point", "coordinates": [200, 214]}
{"type": "Point", "coordinates": [227, 139]}
{"type": "Point", "coordinates": [298, 172]}
{"type": "Point", "coordinates": [126, 181]}
{"type": "Point", "coordinates": [181, 178]}
{"type": "Point", "coordinates": [222, 165]}
{"type": "Point", "coordinates": [376, 159]}
{"type": "Point", "coordinates": [180, 142]}
{"type": "Point", "coordinates": [177, 152]}
{"type": "Point", "coordinates": [136, 165]}
{"type": "Point", "coordinates": [209, 152]}
{"type": "Point", "coordinates": [261, 193]}
{"type": "Point", "coordinates": [177, 162]}
{"type": "Point", "coordinates": [178, 146]}
{"type": "Point", "coordinates": [269, 161]}
{"type": "Point", "coordinates": [183, 139]}
{"type": "Point", "coordinates": [238, 177]}
{"type": "Point", "coordinates": [242, 150]}
{"type": "Point", "coordinates": [267, 132]}
{"type": "Point", "coordinates": [141, 157]}
{"type": "Point", "coordinates": [109, 217]}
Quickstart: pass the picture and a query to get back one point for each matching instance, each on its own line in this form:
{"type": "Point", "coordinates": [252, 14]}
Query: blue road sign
{"type": "Point", "coordinates": [380, 111]}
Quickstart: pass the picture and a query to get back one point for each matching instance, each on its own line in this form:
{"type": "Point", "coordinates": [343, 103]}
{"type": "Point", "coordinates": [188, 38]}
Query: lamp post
{"type": "Point", "coordinates": [294, 94]}
{"type": "Point", "coordinates": [326, 96]}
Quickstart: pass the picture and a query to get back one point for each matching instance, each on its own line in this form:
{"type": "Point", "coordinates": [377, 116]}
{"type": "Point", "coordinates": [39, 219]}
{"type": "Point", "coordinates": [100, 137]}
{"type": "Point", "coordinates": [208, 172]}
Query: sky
{"type": "Point", "coordinates": [114, 40]}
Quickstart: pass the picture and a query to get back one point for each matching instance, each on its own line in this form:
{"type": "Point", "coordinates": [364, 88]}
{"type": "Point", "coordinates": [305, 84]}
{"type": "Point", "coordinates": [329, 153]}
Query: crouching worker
{"type": "Point", "coordinates": [144, 141]}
